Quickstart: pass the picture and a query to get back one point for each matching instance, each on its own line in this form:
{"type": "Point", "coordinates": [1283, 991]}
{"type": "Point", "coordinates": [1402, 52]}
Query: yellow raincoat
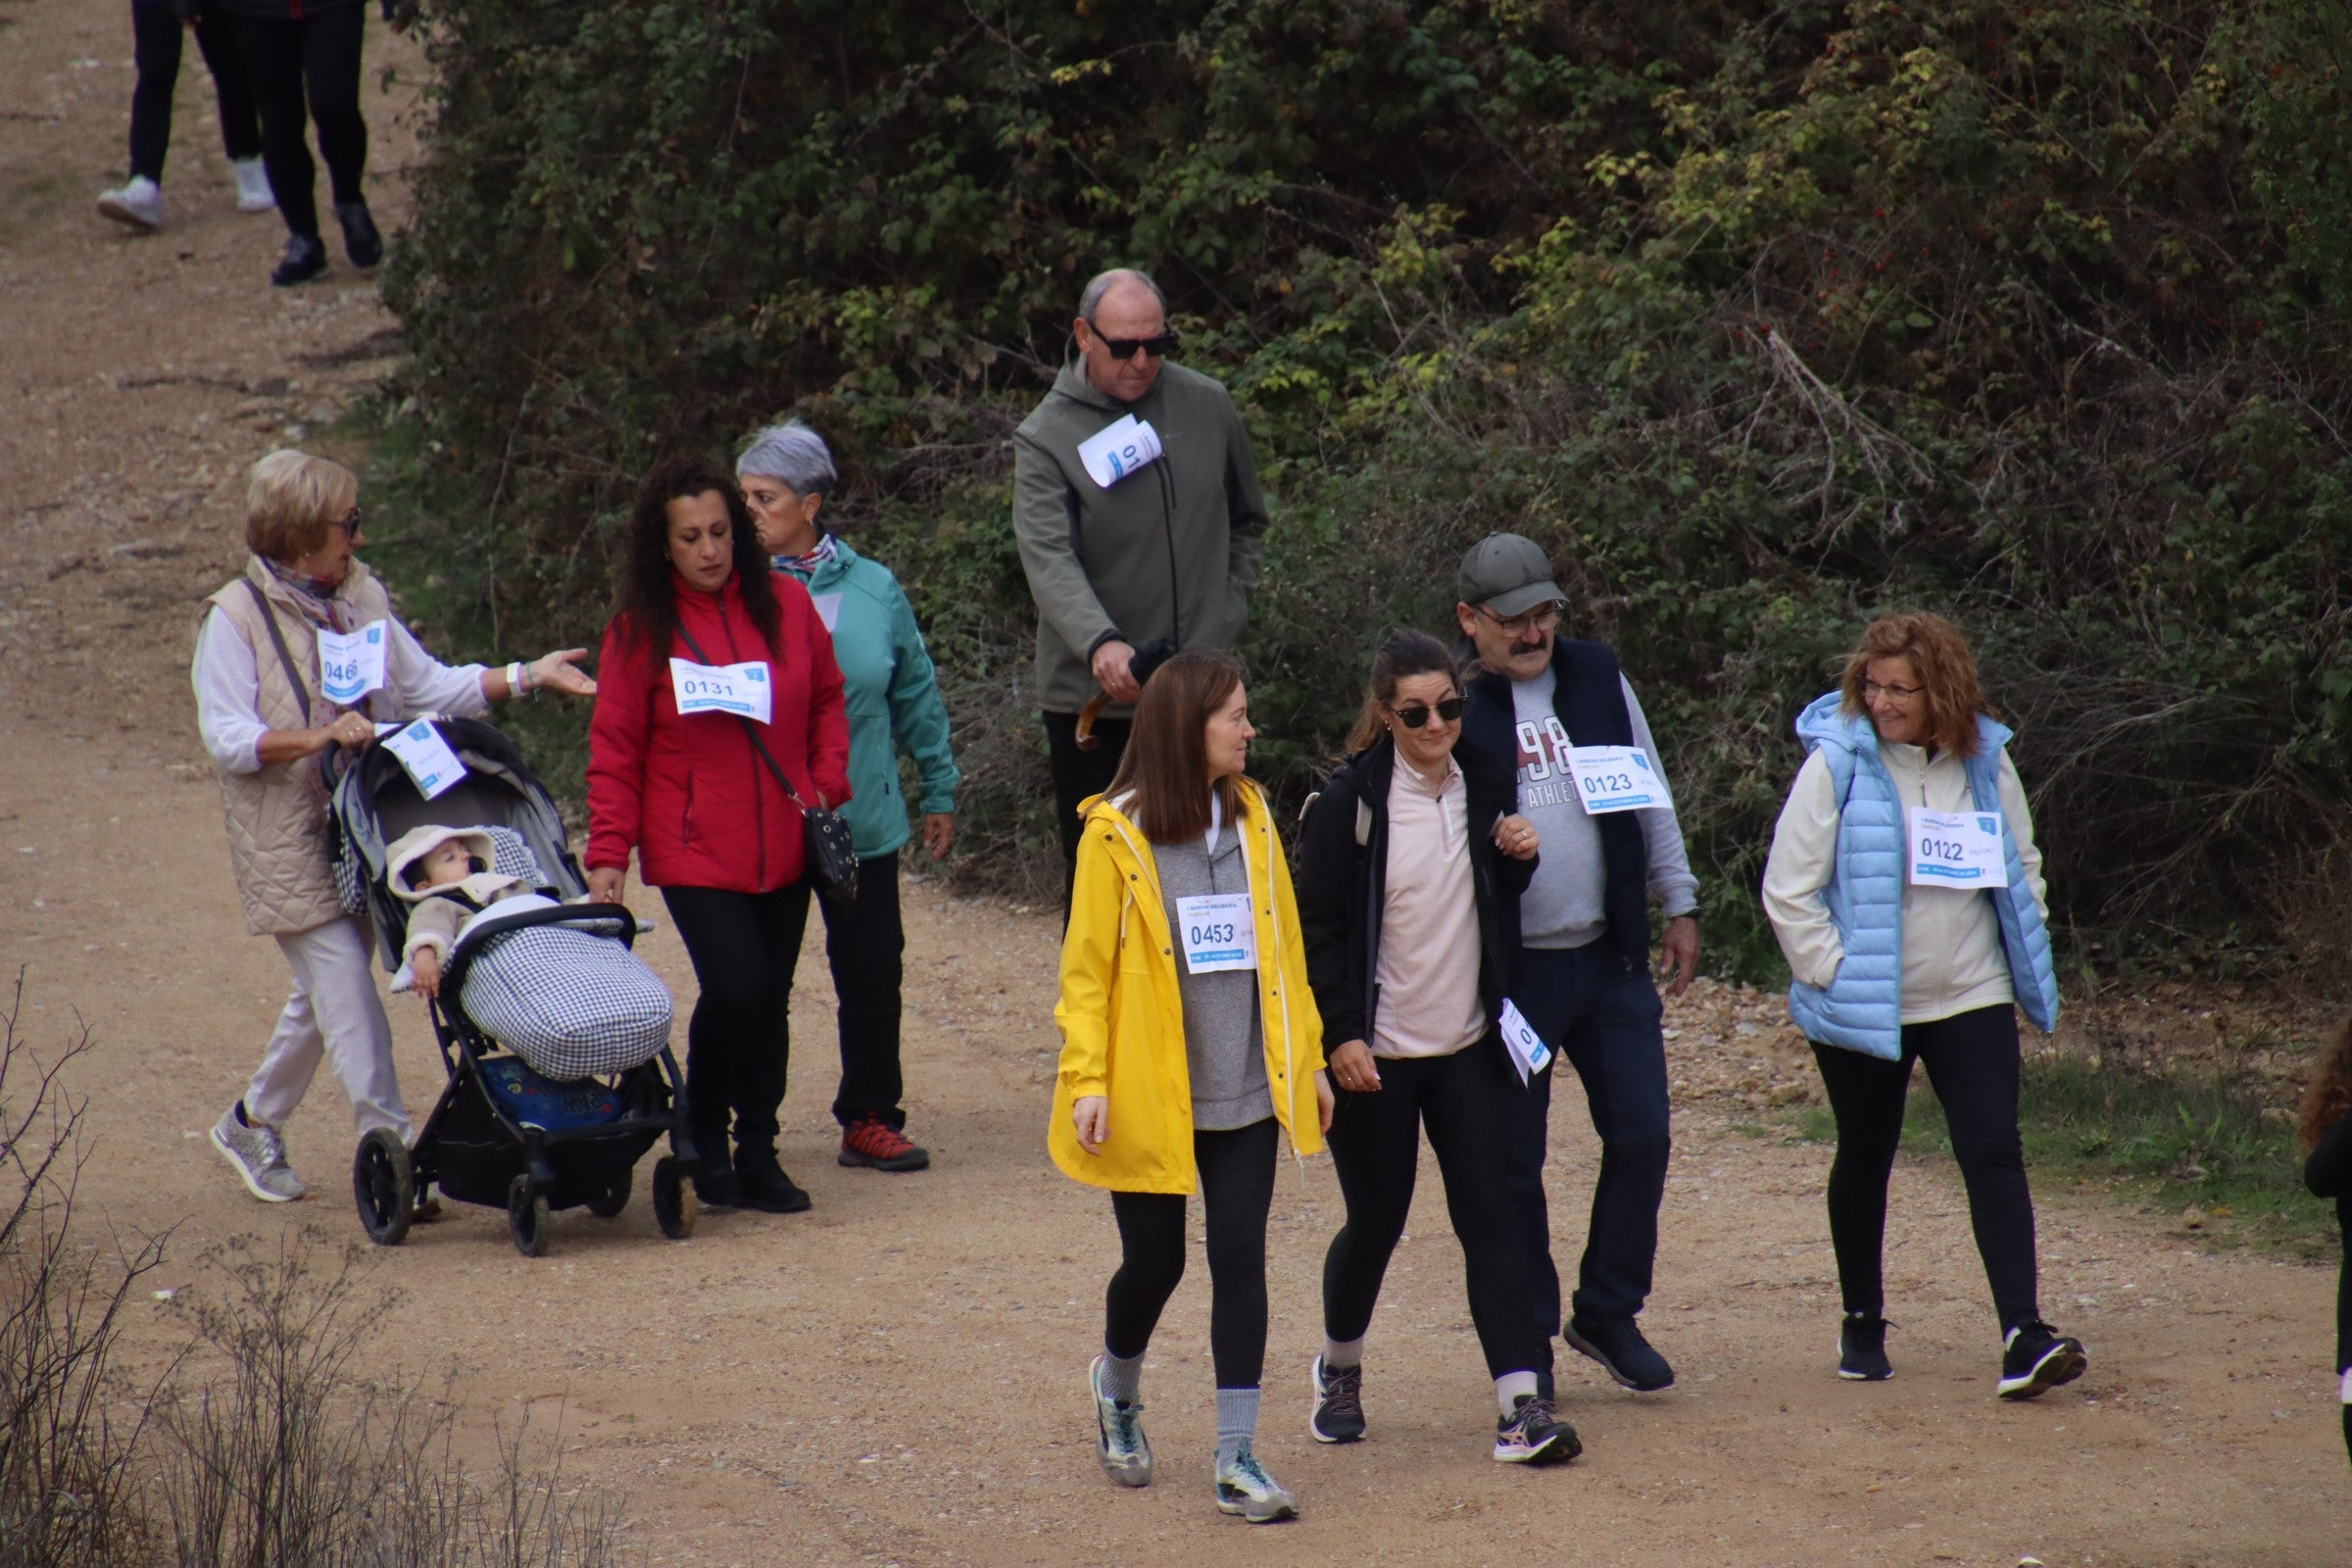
{"type": "Point", "coordinates": [1122, 1022]}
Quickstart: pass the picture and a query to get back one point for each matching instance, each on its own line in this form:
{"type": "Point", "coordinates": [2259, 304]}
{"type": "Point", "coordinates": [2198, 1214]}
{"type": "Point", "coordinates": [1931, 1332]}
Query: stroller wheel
{"type": "Point", "coordinates": [527, 1218]}
{"type": "Point", "coordinates": [674, 1207]}
{"type": "Point", "coordinates": [384, 1185]}
{"type": "Point", "coordinates": [613, 1199]}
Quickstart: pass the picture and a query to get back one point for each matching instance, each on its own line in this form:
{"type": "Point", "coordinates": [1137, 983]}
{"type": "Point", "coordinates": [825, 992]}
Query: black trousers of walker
{"type": "Point", "coordinates": [1078, 775]}
{"type": "Point", "coordinates": [1972, 1060]}
{"type": "Point", "coordinates": [1465, 1102]}
{"type": "Point", "coordinates": [1236, 1194]}
{"type": "Point", "coordinates": [739, 1044]}
{"type": "Point", "coordinates": [308, 69]}
{"type": "Point", "coordinates": [866, 946]}
{"type": "Point", "coordinates": [155, 32]}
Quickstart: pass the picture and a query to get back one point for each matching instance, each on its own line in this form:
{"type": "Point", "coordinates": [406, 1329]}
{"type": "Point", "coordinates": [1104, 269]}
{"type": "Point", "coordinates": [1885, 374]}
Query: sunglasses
{"type": "Point", "coordinates": [349, 522]}
{"type": "Point", "coordinates": [1414, 717]}
{"type": "Point", "coordinates": [1126, 348]}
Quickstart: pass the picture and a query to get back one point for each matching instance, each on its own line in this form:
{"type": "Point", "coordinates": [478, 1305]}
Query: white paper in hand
{"type": "Point", "coordinates": [351, 663]}
{"type": "Point", "coordinates": [1528, 1053]}
{"type": "Point", "coordinates": [1118, 450]}
{"type": "Point", "coordinates": [432, 766]}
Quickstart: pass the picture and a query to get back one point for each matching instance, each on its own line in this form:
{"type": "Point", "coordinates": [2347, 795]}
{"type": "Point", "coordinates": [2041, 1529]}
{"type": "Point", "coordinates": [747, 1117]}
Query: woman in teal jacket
{"type": "Point", "coordinates": [892, 695]}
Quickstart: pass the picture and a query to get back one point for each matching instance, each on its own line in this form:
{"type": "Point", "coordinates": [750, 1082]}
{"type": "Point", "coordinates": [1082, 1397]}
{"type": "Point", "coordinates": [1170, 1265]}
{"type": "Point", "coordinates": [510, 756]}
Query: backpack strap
{"type": "Point", "coordinates": [277, 640]}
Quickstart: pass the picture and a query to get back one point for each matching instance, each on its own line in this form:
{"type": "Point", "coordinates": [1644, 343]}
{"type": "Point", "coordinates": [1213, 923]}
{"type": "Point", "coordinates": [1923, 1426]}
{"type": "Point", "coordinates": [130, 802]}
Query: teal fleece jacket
{"type": "Point", "coordinates": [890, 691]}
{"type": "Point", "coordinates": [1169, 551]}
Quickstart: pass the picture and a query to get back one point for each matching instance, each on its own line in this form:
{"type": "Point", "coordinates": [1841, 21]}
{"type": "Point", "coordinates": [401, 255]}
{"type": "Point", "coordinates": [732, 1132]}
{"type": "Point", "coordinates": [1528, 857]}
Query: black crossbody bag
{"type": "Point", "coordinates": [830, 856]}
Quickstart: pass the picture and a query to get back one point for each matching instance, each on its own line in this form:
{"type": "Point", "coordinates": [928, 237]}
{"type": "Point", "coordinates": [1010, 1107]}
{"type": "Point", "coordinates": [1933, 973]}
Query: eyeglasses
{"type": "Point", "coordinates": [1415, 716]}
{"type": "Point", "coordinates": [1544, 618]}
{"type": "Point", "coordinates": [349, 522]}
{"type": "Point", "coordinates": [1902, 693]}
{"type": "Point", "coordinates": [1126, 348]}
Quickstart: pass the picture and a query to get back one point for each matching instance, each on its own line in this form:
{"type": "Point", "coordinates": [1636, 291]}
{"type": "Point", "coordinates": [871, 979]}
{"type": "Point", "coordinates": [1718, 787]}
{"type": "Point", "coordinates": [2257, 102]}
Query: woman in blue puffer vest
{"type": "Point", "coordinates": [1907, 894]}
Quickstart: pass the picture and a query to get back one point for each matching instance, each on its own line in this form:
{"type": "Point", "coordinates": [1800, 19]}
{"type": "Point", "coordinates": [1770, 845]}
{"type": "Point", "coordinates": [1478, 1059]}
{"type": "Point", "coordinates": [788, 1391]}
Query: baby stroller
{"type": "Point", "coordinates": [504, 1133]}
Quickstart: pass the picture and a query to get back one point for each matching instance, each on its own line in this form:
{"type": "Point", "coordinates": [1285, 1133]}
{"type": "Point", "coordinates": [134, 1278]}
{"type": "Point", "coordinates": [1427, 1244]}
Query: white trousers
{"type": "Point", "coordinates": [335, 1010]}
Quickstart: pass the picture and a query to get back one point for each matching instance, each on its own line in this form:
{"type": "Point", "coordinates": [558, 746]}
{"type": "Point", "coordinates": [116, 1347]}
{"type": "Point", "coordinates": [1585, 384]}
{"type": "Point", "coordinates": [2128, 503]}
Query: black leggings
{"type": "Point", "coordinates": [743, 946]}
{"type": "Point", "coordinates": [866, 946]}
{"type": "Point", "coordinates": [1237, 1193]}
{"type": "Point", "coordinates": [1464, 1102]}
{"type": "Point", "coordinates": [313, 62]}
{"type": "Point", "coordinates": [1972, 1060]}
{"type": "Point", "coordinates": [156, 49]}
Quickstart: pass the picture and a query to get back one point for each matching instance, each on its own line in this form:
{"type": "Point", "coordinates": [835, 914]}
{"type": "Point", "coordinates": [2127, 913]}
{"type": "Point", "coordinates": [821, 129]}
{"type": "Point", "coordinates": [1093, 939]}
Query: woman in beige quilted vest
{"type": "Point", "coordinates": [262, 702]}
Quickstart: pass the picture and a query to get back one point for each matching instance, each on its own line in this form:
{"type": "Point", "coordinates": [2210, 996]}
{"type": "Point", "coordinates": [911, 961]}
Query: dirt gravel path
{"type": "Point", "coordinates": [896, 1377]}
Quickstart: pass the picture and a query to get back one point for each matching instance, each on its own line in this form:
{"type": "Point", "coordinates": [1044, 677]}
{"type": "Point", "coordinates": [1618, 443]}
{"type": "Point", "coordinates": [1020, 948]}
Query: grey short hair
{"type": "Point", "coordinates": [792, 452]}
{"type": "Point", "coordinates": [1103, 282]}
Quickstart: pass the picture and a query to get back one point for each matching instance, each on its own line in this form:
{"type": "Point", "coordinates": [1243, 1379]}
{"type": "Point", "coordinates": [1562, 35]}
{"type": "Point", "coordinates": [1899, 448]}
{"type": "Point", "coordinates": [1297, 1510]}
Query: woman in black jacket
{"type": "Point", "coordinates": [2327, 1173]}
{"type": "Point", "coordinates": [1411, 864]}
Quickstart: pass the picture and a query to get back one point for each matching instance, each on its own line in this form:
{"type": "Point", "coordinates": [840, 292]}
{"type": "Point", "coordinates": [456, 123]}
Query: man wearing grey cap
{"type": "Point", "coordinates": [1581, 959]}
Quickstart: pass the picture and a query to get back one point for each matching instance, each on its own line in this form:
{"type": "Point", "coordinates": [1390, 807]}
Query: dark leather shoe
{"type": "Point", "coordinates": [766, 1188]}
{"type": "Point", "coordinates": [305, 259]}
{"type": "Point", "coordinates": [718, 1189]}
{"type": "Point", "coordinates": [360, 242]}
{"type": "Point", "coordinates": [1618, 1345]}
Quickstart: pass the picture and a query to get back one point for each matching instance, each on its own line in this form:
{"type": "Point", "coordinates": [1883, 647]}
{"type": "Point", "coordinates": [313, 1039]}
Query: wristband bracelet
{"type": "Point", "coordinates": [518, 678]}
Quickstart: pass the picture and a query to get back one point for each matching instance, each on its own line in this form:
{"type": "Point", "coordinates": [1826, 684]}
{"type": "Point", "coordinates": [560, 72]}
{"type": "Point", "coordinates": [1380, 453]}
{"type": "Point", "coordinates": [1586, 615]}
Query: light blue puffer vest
{"type": "Point", "coordinates": [1863, 1007]}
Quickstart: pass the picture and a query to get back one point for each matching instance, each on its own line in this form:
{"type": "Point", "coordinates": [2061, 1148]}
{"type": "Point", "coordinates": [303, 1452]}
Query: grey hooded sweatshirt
{"type": "Point", "coordinates": [1169, 551]}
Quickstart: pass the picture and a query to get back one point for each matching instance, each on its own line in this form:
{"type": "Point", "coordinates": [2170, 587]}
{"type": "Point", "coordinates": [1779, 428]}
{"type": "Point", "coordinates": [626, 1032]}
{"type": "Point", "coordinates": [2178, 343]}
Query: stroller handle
{"type": "Point", "coordinates": [579, 914]}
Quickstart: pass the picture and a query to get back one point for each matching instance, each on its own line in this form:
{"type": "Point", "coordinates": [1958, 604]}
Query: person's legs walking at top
{"type": "Point", "coordinates": [866, 943]}
{"type": "Point", "coordinates": [1601, 1012]}
{"type": "Point", "coordinates": [1078, 776]}
{"type": "Point", "coordinates": [156, 45]}
{"type": "Point", "coordinates": [299, 69]}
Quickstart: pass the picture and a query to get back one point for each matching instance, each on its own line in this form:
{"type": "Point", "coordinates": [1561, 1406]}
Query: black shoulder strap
{"type": "Point", "coordinates": [749, 728]}
{"type": "Point", "coordinates": [277, 640]}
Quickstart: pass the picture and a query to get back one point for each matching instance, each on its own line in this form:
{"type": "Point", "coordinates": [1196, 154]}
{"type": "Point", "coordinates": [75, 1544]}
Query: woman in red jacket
{"type": "Point", "coordinates": [705, 626]}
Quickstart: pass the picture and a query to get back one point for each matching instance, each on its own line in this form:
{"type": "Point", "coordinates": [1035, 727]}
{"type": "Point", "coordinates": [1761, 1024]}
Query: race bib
{"type": "Point", "coordinates": [1217, 932]}
{"type": "Point", "coordinates": [741, 689]}
{"type": "Point", "coordinates": [1528, 1053]}
{"type": "Point", "coordinates": [1120, 449]}
{"type": "Point", "coordinates": [431, 765]}
{"type": "Point", "coordinates": [1615, 778]}
{"type": "Point", "coordinates": [351, 663]}
{"type": "Point", "coordinates": [1958, 850]}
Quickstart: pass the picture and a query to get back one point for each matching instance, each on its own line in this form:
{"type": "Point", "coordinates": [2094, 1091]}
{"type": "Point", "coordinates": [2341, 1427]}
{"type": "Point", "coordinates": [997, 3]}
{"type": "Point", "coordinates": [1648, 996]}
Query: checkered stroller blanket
{"type": "Point", "coordinates": [571, 1003]}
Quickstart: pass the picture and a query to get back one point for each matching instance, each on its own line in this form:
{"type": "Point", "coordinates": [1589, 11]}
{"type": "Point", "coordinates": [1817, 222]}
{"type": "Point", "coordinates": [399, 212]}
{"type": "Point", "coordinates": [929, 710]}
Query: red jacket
{"type": "Point", "coordinates": [690, 794]}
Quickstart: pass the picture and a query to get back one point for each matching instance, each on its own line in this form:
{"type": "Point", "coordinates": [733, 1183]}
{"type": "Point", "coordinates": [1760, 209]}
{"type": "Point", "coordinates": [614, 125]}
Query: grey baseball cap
{"type": "Point", "coordinates": [1508, 574]}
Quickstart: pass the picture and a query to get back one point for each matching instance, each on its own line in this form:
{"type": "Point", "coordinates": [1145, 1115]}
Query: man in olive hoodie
{"type": "Point", "coordinates": [1169, 550]}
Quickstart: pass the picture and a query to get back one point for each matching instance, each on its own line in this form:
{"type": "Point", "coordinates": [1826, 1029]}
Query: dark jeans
{"type": "Point", "coordinates": [310, 66]}
{"type": "Point", "coordinates": [156, 47]}
{"type": "Point", "coordinates": [1600, 1013]}
{"type": "Point", "coordinates": [743, 946]}
{"type": "Point", "coordinates": [1237, 1193]}
{"type": "Point", "coordinates": [1972, 1060]}
{"type": "Point", "coordinates": [865, 946]}
{"type": "Point", "coordinates": [1078, 775]}
{"type": "Point", "coordinates": [1466, 1102]}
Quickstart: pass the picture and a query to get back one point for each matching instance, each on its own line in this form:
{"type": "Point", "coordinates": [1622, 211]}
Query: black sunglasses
{"type": "Point", "coordinates": [1414, 717]}
{"type": "Point", "coordinates": [349, 522]}
{"type": "Point", "coordinates": [1124, 348]}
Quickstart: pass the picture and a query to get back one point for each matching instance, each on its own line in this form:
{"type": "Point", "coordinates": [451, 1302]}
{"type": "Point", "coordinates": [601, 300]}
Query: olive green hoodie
{"type": "Point", "coordinates": [1169, 551]}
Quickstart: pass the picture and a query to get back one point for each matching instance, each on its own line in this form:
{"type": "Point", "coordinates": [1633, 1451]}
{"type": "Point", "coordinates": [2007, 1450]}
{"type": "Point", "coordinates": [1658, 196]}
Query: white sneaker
{"type": "Point", "coordinates": [259, 1157]}
{"type": "Point", "coordinates": [254, 195]}
{"type": "Point", "coordinates": [1244, 1487]}
{"type": "Point", "coordinates": [140, 203]}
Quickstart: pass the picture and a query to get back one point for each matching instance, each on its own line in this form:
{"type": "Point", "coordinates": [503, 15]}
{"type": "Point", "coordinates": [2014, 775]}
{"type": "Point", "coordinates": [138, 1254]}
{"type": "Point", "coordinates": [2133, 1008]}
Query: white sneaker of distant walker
{"type": "Point", "coordinates": [1244, 1487]}
{"type": "Point", "coordinates": [254, 195]}
{"type": "Point", "coordinates": [139, 204]}
{"type": "Point", "coordinates": [259, 1157]}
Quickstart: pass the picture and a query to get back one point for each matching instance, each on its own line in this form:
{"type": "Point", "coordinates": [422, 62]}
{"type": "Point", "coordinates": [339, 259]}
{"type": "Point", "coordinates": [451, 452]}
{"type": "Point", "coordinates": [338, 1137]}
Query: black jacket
{"type": "Point", "coordinates": [1343, 886]}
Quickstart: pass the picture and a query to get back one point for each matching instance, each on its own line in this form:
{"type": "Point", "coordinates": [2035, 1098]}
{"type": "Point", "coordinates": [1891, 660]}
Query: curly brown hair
{"type": "Point", "coordinates": [1947, 670]}
{"type": "Point", "coordinates": [2329, 1096]}
{"type": "Point", "coordinates": [647, 603]}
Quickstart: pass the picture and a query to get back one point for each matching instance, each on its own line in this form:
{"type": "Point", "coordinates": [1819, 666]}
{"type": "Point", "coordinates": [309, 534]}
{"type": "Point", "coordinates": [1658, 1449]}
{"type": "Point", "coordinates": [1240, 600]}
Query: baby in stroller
{"type": "Point", "coordinates": [445, 872]}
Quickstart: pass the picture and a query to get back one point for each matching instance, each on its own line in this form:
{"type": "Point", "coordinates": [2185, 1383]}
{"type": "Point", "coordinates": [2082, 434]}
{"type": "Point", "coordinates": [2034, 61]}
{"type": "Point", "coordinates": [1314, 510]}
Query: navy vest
{"type": "Point", "coordinates": [1588, 697]}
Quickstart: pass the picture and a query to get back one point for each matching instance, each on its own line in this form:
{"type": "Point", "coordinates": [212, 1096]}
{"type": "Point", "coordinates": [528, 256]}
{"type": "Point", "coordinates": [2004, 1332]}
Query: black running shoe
{"type": "Point", "coordinates": [360, 242]}
{"type": "Point", "coordinates": [1618, 1345]}
{"type": "Point", "coordinates": [305, 259]}
{"type": "Point", "coordinates": [766, 1188]}
{"type": "Point", "coordinates": [1862, 1349]}
{"type": "Point", "coordinates": [1533, 1434]}
{"type": "Point", "coordinates": [1339, 1408]}
{"type": "Point", "coordinates": [718, 1188]}
{"type": "Point", "coordinates": [2036, 1358]}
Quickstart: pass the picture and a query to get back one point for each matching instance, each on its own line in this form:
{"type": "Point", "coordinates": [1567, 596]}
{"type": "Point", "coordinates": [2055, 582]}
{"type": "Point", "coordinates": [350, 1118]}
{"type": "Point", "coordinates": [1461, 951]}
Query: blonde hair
{"type": "Point", "coordinates": [291, 501]}
{"type": "Point", "coordinates": [1948, 674]}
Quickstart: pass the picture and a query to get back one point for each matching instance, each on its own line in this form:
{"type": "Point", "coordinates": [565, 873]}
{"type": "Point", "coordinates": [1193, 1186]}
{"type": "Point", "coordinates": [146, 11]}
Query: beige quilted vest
{"type": "Point", "coordinates": [277, 818]}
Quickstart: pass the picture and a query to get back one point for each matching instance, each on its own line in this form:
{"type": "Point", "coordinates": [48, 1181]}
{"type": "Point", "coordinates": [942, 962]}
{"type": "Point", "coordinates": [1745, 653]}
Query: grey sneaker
{"type": "Point", "coordinates": [1245, 1488]}
{"type": "Point", "coordinates": [1120, 1443]}
{"type": "Point", "coordinates": [259, 1157]}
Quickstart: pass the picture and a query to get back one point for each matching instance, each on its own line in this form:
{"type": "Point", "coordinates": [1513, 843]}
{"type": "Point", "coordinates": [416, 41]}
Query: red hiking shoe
{"type": "Point", "coordinates": [872, 1141]}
